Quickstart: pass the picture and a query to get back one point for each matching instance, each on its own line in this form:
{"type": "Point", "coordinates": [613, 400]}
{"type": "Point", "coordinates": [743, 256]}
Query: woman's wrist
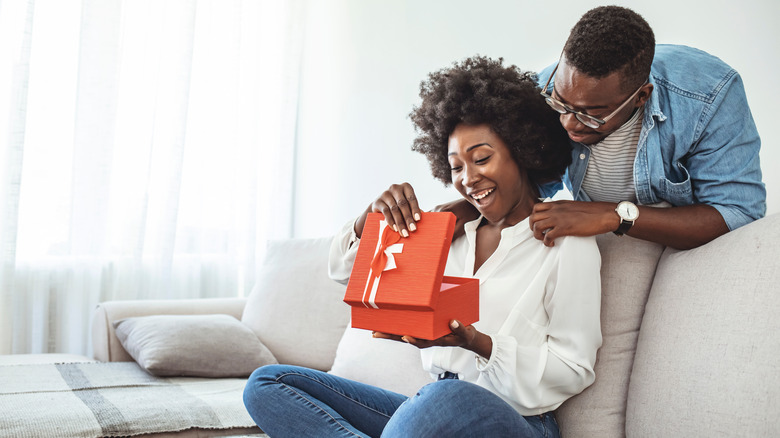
{"type": "Point", "coordinates": [361, 222]}
{"type": "Point", "coordinates": [482, 345]}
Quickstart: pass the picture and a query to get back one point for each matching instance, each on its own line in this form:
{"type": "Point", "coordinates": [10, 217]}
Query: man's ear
{"type": "Point", "coordinates": [644, 94]}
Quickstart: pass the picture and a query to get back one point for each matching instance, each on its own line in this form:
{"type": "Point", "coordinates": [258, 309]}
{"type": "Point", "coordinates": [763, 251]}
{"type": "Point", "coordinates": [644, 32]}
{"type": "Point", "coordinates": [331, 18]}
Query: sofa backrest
{"type": "Point", "coordinates": [295, 309]}
{"type": "Point", "coordinates": [708, 357]}
{"type": "Point", "coordinates": [628, 267]}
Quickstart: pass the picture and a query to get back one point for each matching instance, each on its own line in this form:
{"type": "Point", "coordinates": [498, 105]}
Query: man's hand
{"type": "Point", "coordinates": [683, 227]}
{"type": "Point", "coordinates": [550, 220]}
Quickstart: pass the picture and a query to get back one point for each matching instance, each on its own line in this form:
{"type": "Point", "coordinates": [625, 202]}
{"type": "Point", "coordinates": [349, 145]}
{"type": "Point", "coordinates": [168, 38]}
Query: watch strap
{"type": "Point", "coordinates": [623, 227]}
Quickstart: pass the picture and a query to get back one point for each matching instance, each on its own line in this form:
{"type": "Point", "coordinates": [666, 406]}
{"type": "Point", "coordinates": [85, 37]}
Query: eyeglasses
{"type": "Point", "coordinates": [585, 119]}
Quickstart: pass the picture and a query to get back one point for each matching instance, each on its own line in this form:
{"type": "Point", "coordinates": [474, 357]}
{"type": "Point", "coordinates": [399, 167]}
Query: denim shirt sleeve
{"type": "Point", "coordinates": [699, 143]}
{"type": "Point", "coordinates": [708, 146]}
{"type": "Point", "coordinates": [725, 163]}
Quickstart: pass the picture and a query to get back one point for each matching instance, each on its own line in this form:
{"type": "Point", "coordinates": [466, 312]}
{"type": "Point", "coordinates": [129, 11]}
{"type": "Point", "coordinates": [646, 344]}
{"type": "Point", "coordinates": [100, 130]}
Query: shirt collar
{"type": "Point", "coordinates": [653, 104]}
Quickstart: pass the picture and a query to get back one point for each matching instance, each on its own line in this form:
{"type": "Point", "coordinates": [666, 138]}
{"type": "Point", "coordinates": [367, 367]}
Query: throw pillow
{"type": "Point", "coordinates": [192, 345]}
{"type": "Point", "coordinates": [390, 365]}
{"type": "Point", "coordinates": [295, 308]}
{"type": "Point", "coordinates": [627, 272]}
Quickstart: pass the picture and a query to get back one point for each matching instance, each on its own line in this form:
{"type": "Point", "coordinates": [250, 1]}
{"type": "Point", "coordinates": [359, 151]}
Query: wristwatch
{"type": "Point", "coordinates": [628, 212]}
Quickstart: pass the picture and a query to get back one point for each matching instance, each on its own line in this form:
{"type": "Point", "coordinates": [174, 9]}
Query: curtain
{"type": "Point", "coordinates": [147, 152]}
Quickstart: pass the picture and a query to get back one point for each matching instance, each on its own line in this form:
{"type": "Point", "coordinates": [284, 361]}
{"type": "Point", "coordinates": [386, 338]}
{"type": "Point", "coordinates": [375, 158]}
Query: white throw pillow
{"type": "Point", "coordinates": [295, 308]}
{"type": "Point", "coordinates": [390, 365]}
{"type": "Point", "coordinates": [192, 345]}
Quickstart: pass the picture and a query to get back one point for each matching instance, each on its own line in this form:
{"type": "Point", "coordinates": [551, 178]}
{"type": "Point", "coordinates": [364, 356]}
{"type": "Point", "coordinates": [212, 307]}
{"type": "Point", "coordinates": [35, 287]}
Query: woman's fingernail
{"type": "Point", "coordinates": [417, 216]}
{"type": "Point", "coordinates": [412, 226]}
{"type": "Point", "coordinates": [395, 228]}
{"type": "Point", "coordinates": [404, 233]}
{"type": "Point", "coordinates": [454, 324]}
{"type": "Point", "coordinates": [405, 339]}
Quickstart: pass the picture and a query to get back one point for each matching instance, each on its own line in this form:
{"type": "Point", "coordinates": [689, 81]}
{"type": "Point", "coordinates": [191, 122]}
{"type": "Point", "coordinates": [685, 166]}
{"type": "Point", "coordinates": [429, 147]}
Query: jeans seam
{"type": "Point", "coordinates": [335, 390]}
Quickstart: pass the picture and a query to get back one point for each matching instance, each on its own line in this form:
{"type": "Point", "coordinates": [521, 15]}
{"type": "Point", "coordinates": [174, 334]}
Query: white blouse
{"type": "Point", "coordinates": [540, 305]}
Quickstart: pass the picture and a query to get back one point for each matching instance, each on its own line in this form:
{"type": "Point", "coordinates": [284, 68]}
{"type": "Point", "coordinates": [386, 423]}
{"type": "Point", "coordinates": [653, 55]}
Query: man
{"type": "Point", "coordinates": [665, 147]}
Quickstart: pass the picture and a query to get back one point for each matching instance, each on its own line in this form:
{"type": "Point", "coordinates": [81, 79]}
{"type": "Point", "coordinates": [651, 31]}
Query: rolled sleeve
{"type": "Point", "coordinates": [725, 166]}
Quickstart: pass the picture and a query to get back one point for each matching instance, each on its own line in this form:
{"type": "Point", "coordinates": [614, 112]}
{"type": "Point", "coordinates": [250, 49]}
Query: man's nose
{"type": "Point", "coordinates": [570, 122]}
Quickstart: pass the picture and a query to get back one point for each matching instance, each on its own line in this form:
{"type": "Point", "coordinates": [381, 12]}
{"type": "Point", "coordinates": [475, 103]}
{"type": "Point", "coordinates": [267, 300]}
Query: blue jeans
{"type": "Point", "coordinates": [290, 401]}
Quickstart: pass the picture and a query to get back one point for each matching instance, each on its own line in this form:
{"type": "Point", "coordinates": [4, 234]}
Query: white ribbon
{"type": "Point", "coordinates": [372, 283]}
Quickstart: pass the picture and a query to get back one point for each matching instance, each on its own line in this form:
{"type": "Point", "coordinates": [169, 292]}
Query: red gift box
{"type": "Point", "coordinates": [397, 284]}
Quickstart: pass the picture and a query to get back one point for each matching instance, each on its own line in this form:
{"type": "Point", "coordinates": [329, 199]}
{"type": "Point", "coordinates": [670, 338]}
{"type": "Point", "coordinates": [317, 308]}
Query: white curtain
{"type": "Point", "coordinates": [147, 151]}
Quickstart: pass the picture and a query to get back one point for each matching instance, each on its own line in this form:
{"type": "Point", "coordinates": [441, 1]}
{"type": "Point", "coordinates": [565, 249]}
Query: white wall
{"type": "Point", "coordinates": [364, 59]}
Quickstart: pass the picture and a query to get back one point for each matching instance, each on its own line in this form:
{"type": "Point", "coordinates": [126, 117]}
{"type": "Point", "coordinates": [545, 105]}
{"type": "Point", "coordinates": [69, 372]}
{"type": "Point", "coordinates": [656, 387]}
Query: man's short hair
{"type": "Point", "coordinates": [609, 39]}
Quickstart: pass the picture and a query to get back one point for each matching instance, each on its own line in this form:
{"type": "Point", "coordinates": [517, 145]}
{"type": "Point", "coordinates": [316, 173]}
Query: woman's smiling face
{"type": "Point", "coordinates": [486, 174]}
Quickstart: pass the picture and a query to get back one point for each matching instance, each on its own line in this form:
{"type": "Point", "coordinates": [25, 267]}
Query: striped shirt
{"type": "Point", "coordinates": [610, 174]}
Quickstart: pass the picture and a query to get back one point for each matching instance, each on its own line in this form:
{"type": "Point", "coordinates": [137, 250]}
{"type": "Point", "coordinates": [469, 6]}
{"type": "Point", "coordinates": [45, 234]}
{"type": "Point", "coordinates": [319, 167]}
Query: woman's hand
{"type": "Point", "coordinates": [400, 207]}
{"type": "Point", "coordinates": [462, 336]}
{"type": "Point", "coordinates": [463, 211]}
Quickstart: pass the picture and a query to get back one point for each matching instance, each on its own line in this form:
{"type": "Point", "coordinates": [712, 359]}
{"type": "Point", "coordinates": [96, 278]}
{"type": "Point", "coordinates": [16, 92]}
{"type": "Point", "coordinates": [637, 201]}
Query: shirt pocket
{"type": "Point", "coordinates": [677, 193]}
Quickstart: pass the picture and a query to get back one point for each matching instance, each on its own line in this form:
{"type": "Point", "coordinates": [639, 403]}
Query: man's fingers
{"type": "Point", "coordinates": [549, 238]}
{"type": "Point", "coordinates": [540, 228]}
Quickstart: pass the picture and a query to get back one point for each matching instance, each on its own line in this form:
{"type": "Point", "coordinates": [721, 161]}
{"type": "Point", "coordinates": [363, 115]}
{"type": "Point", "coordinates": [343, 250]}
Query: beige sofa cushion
{"type": "Point", "coordinates": [627, 269]}
{"type": "Point", "coordinates": [193, 345]}
{"type": "Point", "coordinates": [709, 351]}
{"type": "Point", "coordinates": [105, 344]}
{"type": "Point", "coordinates": [295, 309]}
{"type": "Point", "coordinates": [390, 365]}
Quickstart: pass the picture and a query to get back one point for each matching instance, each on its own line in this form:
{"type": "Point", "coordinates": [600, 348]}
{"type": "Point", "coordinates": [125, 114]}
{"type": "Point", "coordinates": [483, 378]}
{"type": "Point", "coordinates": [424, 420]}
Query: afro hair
{"type": "Point", "coordinates": [480, 90]}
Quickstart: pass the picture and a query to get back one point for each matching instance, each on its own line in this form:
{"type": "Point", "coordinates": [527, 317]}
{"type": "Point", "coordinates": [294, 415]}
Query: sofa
{"type": "Point", "coordinates": [691, 345]}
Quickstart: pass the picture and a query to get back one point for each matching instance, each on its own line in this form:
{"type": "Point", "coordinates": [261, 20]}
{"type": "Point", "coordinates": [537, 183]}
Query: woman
{"type": "Point", "coordinates": [485, 129]}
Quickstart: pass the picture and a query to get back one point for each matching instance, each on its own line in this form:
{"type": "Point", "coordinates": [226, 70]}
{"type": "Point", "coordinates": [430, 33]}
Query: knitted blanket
{"type": "Point", "coordinates": [113, 399]}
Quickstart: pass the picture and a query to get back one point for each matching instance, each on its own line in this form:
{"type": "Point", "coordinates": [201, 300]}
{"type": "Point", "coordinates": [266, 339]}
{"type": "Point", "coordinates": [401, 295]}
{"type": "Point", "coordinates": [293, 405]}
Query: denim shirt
{"type": "Point", "coordinates": [698, 144]}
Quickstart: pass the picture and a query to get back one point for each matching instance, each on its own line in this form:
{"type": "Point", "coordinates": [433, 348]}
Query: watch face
{"type": "Point", "coordinates": [628, 211]}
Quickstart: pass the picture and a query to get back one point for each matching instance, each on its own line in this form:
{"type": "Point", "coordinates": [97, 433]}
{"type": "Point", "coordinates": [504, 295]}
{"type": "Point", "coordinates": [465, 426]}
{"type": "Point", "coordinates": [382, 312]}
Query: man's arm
{"type": "Point", "coordinates": [724, 164]}
{"type": "Point", "coordinates": [724, 175]}
{"type": "Point", "coordinates": [677, 227]}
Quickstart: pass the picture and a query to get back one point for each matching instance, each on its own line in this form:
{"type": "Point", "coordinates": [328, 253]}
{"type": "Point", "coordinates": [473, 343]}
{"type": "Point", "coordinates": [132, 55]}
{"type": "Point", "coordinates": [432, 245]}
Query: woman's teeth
{"type": "Point", "coordinates": [482, 195]}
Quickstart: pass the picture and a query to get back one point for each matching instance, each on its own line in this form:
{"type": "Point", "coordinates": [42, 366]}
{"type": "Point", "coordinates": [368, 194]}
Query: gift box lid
{"type": "Point", "coordinates": [394, 272]}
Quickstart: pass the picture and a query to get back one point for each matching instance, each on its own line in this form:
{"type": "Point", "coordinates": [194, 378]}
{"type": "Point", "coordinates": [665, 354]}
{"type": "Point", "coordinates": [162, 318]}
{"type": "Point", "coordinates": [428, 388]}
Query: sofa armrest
{"type": "Point", "coordinates": [107, 348]}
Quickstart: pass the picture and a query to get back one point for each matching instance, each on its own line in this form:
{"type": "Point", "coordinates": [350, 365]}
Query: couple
{"type": "Point", "coordinates": [485, 129]}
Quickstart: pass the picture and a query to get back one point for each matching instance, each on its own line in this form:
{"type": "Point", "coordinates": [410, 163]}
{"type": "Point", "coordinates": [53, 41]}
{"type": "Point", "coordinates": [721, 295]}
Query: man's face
{"type": "Point", "coordinates": [596, 97]}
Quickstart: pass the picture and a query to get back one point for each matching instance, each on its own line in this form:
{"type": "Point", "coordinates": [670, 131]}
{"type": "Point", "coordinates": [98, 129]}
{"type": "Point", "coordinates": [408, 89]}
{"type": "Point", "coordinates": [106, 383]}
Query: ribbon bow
{"type": "Point", "coordinates": [383, 260]}
{"type": "Point", "coordinates": [384, 253]}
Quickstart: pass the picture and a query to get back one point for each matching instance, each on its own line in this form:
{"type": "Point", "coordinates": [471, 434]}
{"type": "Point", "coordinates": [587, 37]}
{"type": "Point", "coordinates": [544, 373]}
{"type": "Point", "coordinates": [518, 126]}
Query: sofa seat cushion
{"type": "Point", "coordinates": [709, 349]}
{"type": "Point", "coordinates": [295, 309]}
{"type": "Point", "coordinates": [117, 399]}
{"type": "Point", "coordinates": [46, 358]}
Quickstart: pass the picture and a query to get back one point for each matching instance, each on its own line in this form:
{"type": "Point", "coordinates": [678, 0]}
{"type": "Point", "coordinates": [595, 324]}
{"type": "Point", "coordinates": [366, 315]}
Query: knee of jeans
{"type": "Point", "coordinates": [443, 389]}
{"type": "Point", "coordinates": [261, 379]}
{"type": "Point", "coordinates": [267, 373]}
